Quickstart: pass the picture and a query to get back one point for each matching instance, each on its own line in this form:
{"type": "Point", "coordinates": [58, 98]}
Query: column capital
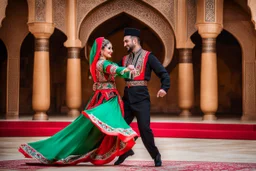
{"type": "Point", "coordinates": [209, 30]}
{"type": "Point", "coordinates": [41, 29]}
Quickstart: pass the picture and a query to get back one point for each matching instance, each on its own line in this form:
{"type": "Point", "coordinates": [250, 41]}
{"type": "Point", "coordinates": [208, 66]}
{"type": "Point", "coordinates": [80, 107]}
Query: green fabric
{"type": "Point", "coordinates": [78, 138]}
{"type": "Point", "coordinates": [82, 136]}
{"type": "Point", "coordinates": [110, 114]}
{"type": "Point", "coordinates": [93, 52]}
{"type": "Point", "coordinates": [119, 70]}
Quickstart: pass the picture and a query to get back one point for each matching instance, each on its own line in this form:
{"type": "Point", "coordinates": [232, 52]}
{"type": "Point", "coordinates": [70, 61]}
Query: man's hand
{"type": "Point", "coordinates": [161, 93]}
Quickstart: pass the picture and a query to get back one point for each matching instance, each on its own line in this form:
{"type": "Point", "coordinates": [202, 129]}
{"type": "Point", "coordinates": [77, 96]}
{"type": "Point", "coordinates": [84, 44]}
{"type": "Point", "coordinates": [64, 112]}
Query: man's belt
{"type": "Point", "coordinates": [136, 83]}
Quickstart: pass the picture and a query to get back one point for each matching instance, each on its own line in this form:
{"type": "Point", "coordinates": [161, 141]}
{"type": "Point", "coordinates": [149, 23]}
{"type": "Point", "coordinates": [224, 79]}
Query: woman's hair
{"type": "Point", "coordinates": [105, 43]}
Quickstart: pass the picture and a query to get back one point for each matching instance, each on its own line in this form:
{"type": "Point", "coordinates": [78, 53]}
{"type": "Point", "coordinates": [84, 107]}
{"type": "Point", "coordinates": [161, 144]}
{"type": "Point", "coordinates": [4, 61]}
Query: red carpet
{"type": "Point", "coordinates": [160, 129]}
{"type": "Point", "coordinates": [136, 166]}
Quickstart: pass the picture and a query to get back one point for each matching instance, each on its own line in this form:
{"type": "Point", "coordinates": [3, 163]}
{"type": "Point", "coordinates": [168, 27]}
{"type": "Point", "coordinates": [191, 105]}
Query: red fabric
{"type": "Point", "coordinates": [96, 58]}
{"type": "Point", "coordinates": [108, 69]}
{"type": "Point", "coordinates": [24, 153]}
{"type": "Point", "coordinates": [142, 74]}
{"type": "Point", "coordinates": [107, 144]}
{"type": "Point", "coordinates": [124, 59]}
{"type": "Point", "coordinates": [113, 138]}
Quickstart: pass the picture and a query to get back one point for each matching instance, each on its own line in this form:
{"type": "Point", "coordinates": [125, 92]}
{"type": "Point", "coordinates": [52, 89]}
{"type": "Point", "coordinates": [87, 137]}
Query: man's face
{"type": "Point", "coordinates": [129, 43]}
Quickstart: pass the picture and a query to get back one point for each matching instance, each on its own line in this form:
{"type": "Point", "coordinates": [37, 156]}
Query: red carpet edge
{"type": "Point", "coordinates": [160, 129]}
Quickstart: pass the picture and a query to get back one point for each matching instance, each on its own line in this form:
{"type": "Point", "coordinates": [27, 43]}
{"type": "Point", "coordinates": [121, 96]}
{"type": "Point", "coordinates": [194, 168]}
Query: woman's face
{"type": "Point", "coordinates": [107, 51]}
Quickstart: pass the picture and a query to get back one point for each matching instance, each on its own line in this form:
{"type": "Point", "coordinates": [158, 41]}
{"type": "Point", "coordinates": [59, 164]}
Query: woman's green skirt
{"type": "Point", "coordinates": [98, 135]}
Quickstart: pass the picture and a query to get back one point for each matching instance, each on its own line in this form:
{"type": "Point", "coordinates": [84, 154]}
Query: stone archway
{"type": "Point", "coordinates": [243, 30]}
{"type": "Point", "coordinates": [112, 29]}
{"type": "Point", "coordinates": [26, 75]}
{"type": "Point", "coordinates": [136, 9]}
{"type": "Point", "coordinates": [229, 68]}
{"type": "Point", "coordinates": [13, 31]}
{"type": "Point", "coordinates": [58, 56]}
{"type": "Point", "coordinates": [243, 33]}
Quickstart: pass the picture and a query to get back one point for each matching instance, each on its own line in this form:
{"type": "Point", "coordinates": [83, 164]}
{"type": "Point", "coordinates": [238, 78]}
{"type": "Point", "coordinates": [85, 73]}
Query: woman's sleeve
{"type": "Point", "coordinates": [114, 69]}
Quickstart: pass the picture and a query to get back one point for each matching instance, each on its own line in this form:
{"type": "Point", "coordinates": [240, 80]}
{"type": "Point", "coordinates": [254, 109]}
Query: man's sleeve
{"type": "Point", "coordinates": [160, 71]}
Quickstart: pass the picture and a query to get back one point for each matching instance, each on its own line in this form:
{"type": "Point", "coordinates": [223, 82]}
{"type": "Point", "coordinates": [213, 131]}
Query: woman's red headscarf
{"type": "Point", "coordinates": [94, 56]}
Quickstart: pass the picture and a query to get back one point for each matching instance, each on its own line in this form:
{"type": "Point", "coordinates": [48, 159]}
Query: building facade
{"type": "Point", "coordinates": [207, 46]}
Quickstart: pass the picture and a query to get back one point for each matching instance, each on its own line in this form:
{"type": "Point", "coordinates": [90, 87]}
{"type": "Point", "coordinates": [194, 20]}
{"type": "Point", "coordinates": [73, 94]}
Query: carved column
{"type": "Point", "coordinates": [209, 24]}
{"type": "Point", "coordinates": [74, 89]}
{"type": "Point", "coordinates": [186, 77]}
{"type": "Point", "coordinates": [186, 81]}
{"type": "Point", "coordinates": [41, 26]}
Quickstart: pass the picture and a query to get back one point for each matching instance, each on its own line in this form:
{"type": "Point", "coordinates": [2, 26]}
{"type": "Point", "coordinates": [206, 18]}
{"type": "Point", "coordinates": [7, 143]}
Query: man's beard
{"type": "Point", "coordinates": [130, 49]}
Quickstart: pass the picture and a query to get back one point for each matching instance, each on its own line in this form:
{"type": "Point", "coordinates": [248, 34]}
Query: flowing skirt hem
{"type": "Point", "coordinates": [30, 152]}
{"type": "Point", "coordinates": [124, 135]}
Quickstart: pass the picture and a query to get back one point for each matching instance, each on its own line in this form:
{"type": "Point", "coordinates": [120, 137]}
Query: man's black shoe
{"type": "Point", "coordinates": [157, 160]}
{"type": "Point", "coordinates": [123, 157]}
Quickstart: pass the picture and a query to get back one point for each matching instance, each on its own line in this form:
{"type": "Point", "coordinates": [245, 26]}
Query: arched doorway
{"type": "Point", "coordinates": [3, 73]}
{"type": "Point", "coordinates": [58, 72]}
{"type": "Point", "coordinates": [58, 56]}
{"type": "Point", "coordinates": [26, 75]}
{"type": "Point", "coordinates": [229, 67]}
{"type": "Point", "coordinates": [112, 29]}
{"type": "Point", "coordinates": [137, 9]}
{"type": "Point", "coordinates": [150, 21]}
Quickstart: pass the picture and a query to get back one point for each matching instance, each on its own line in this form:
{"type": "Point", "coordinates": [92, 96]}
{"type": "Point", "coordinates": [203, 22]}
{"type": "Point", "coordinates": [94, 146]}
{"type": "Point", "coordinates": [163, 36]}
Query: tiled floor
{"type": "Point", "coordinates": [175, 149]}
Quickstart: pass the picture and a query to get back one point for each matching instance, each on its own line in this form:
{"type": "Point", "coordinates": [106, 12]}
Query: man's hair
{"type": "Point", "coordinates": [135, 37]}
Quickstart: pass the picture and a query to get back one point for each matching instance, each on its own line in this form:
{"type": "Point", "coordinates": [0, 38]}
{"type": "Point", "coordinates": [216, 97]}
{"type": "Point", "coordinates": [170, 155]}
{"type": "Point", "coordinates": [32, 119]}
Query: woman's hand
{"type": "Point", "coordinates": [130, 67]}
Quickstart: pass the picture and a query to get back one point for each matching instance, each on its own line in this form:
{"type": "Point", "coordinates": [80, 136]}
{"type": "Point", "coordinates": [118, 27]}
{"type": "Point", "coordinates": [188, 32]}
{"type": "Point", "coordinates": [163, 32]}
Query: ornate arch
{"type": "Point", "coordinates": [243, 33]}
{"type": "Point", "coordinates": [136, 9]}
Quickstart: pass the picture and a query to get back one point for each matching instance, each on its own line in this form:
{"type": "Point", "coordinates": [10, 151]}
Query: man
{"type": "Point", "coordinates": [136, 96]}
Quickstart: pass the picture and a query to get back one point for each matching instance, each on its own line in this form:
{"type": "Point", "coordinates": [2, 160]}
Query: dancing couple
{"type": "Point", "coordinates": [102, 131]}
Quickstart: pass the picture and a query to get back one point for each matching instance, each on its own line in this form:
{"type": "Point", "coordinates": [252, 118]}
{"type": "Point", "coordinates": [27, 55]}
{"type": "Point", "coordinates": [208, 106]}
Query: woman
{"type": "Point", "coordinates": [100, 133]}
